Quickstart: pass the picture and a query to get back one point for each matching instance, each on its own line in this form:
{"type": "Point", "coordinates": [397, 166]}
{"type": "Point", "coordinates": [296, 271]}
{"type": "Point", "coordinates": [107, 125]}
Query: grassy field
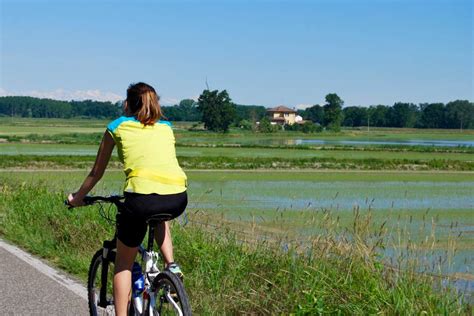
{"type": "Point", "coordinates": [301, 218]}
{"type": "Point", "coordinates": [25, 126]}
{"type": "Point", "coordinates": [341, 272]}
{"type": "Point", "coordinates": [287, 204]}
{"type": "Point", "coordinates": [246, 150]}
{"type": "Point", "coordinates": [44, 126]}
{"type": "Point", "coordinates": [245, 163]}
{"type": "Point", "coordinates": [294, 153]}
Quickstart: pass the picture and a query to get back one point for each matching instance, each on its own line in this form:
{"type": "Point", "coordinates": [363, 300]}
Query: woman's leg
{"type": "Point", "coordinates": [163, 239]}
{"type": "Point", "coordinates": [123, 277]}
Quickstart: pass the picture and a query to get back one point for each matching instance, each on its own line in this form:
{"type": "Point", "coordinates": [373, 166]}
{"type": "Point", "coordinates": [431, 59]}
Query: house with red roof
{"type": "Point", "coordinates": [281, 115]}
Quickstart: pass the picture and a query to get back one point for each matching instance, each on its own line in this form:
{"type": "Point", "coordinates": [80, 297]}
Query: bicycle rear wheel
{"type": "Point", "coordinates": [170, 295]}
{"type": "Point", "coordinates": [100, 285]}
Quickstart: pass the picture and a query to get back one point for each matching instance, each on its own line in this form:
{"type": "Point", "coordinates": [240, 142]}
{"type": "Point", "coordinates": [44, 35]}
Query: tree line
{"type": "Point", "coordinates": [48, 108]}
{"type": "Point", "coordinates": [218, 112]}
{"type": "Point", "coordinates": [185, 110]}
{"type": "Point", "coordinates": [457, 114]}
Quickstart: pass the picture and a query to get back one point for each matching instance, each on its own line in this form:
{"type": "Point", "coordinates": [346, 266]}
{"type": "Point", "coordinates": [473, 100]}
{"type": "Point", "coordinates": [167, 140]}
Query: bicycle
{"type": "Point", "coordinates": [163, 292]}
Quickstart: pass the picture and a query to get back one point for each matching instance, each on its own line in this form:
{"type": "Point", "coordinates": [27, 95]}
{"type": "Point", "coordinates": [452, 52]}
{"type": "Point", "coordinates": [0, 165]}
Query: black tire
{"type": "Point", "coordinates": [98, 277]}
{"type": "Point", "coordinates": [167, 282]}
{"type": "Point", "coordinates": [101, 273]}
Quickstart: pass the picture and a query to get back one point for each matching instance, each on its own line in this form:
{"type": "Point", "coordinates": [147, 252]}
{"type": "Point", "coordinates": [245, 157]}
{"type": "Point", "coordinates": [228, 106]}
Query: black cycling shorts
{"type": "Point", "coordinates": [137, 208]}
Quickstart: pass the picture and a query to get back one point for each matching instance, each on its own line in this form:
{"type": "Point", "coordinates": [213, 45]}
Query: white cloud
{"type": "Point", "coordinates": [4, 93]}
{"type": "Point", "coordinates": [169, 101]}
{"type": "Point", "coordinates": [62, 94]}
{"type": "Point", "coordinates": [302, 106]}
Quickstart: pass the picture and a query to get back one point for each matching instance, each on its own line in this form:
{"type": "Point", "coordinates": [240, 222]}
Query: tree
{"type": "Point", "coordinates": [402, 115]}
{"type": "Point", "coordinates": [333, 112]}
{"type": "Point", "coordinates": [378, 115]}
{"type": "Point", "coordinates": [250, 113]}
{"type": "Point", "coordinates": [35, 107]}
{"type": "Point", "coordinates": [217, 110]}
{"type": "Point", "coordinates": [186, 110]}
{"type": "Point", "coordinates": [246, 124]}
{"type": "Point", "coordinates": [189, 110]}
{"type": "Point", "coordinates": [314, 114]}
{"type": "Point", "coordinates": [308, 127]}
{"type": "Point", "coordinates": [266, 126]}
{"type": "Point", "coordinates": [433, 115]}
{"type": "Point", "coordinates": [459, 114]}
{"type": "Point", "coordinates": [354, 116]}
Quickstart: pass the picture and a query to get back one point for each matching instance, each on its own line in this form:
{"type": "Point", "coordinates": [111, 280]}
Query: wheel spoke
{"type": "Point", "coordinates": [171, 294]}
{"type": "Point", "coordinates": [172, 302]}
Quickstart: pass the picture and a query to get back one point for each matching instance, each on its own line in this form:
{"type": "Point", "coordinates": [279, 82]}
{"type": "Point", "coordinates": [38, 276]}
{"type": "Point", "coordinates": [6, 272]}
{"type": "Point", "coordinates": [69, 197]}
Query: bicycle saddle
{"type": "Point", "coordinates": [158, 218]}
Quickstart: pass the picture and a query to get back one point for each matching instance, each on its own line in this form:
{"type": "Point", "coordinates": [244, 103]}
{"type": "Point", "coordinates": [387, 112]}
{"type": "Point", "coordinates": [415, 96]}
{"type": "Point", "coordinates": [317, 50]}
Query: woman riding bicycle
{"type": "Point", "coordinates": [155, 183]}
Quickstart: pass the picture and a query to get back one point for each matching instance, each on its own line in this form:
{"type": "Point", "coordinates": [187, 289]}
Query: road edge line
{"type": "Point", "coordinates": [45, 269]}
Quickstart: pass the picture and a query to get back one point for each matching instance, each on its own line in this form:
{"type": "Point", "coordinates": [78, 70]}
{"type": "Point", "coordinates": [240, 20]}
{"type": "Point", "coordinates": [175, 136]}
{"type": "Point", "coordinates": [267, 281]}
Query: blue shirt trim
{"type": "Point", "coordinates": [115, 124]}
{"type": "Point", "coordinates": [166, 123]}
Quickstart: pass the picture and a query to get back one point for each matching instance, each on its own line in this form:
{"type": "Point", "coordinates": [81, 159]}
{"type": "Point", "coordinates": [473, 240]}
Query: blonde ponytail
{"type": "Point", "coordinates": [143, 103]}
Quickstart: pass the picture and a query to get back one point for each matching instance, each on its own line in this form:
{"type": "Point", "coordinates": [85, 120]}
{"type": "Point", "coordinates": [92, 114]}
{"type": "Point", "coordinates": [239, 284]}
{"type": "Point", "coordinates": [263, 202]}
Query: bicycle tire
{"type": "Point", "coordinates": [97, 276]}
{"type": "Point", "coordinates": [164, 280]}
{"type": "Point", "coordinates": [95, 282]}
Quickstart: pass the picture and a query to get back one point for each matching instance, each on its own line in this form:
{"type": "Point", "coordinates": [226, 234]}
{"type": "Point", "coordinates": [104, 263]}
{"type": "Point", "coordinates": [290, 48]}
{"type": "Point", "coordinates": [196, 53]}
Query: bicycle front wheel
{"type": "Point", "coordinates": [100, 285]}
{"type": "Point", "coordinates": [170, 295]}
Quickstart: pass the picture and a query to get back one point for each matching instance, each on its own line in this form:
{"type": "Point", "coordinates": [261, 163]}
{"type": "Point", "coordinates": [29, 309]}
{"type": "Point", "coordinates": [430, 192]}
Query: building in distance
{"type": "Point", "coordinates": [283, 115]}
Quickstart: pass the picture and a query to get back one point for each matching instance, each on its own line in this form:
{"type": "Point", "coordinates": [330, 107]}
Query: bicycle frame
{"type": "Point", "coordinates": [146, 302]}
{"type": "Point", "coordinates": [150, 260]}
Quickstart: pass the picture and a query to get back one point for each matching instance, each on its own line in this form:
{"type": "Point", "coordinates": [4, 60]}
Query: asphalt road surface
{"type": "Point", "coordinates": [29, 287]}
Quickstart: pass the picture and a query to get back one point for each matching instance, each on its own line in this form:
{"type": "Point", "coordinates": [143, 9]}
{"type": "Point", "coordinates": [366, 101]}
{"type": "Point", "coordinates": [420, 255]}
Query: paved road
{"type": "Point", "coordinates": [35, 289]}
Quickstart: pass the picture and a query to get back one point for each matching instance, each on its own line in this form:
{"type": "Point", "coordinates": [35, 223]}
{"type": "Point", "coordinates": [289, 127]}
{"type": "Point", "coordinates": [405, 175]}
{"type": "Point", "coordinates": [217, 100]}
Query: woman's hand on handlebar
{"type": "Point", "coordinates": [74, 202]}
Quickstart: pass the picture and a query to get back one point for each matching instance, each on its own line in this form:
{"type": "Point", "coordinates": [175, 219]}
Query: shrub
{"type": "Point", "coordinates": [266, 126]}
{"type": "Point", "coordinates": [246, 125]}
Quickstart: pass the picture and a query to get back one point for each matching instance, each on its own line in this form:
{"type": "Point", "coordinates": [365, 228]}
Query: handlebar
{"type": "Point", "coordinates": [90, 200]}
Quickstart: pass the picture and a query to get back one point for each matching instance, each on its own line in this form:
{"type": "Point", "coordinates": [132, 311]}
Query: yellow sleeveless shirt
{"type": "Point", "coordinates": [148, 155]}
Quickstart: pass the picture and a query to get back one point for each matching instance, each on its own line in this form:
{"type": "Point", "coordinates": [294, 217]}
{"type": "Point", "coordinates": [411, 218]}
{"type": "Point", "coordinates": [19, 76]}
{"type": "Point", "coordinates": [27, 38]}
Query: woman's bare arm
{"type": "Point", "coordinates": [103, 156]}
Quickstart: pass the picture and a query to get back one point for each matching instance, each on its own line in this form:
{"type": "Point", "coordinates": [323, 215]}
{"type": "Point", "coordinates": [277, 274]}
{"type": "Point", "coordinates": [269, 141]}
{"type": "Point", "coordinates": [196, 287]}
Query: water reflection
{"type": "Point", "coordinates": [297, 195]}
{"type": "Point", "coordinates": [414, 142]}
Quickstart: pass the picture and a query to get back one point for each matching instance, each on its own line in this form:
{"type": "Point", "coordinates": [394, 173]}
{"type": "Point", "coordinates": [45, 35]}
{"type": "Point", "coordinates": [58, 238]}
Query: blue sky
{"type": "Point", "coordinates": [262, 52]}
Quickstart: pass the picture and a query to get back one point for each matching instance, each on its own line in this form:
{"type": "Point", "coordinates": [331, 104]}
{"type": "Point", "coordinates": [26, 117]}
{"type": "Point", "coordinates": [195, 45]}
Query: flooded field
{"type": "Point", "coordinates": [414, 142]}
{"type": "Point", "coordinates": [413, 207]}
{"type": "Point", "coordinates": [291, 203]}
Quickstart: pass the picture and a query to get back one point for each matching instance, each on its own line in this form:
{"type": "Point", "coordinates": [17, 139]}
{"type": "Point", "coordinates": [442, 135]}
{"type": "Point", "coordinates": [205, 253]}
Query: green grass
{"type": "Point", "coordinates": [53, 127]}
{"type": "Point", "coordinates": [342, 274]}
{"type": "Point", "coordinates": [287, 204]}
{"type": "Point", "coordinates": [276, 176]}
{"type": "Point", "coordinates": [51, 122]}
{"type": "Point", "coordinates": [293, 153]}
{"type": "Point", "coordinates": [223, 162]}
{"type": "Point", "coordinates": [22, 127]}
